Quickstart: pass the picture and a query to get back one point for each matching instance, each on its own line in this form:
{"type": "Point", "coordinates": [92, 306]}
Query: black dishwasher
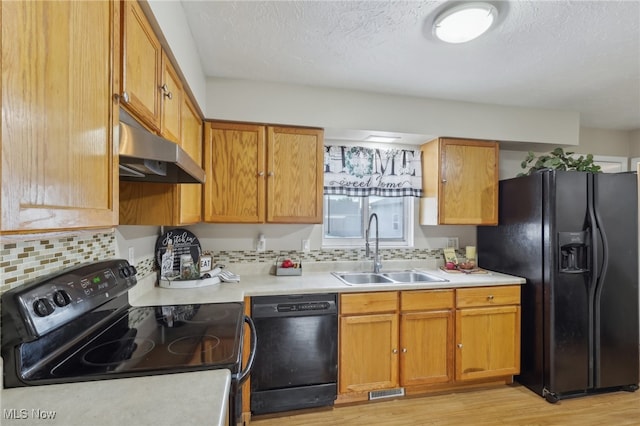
{"type": "Point", "coordinates": [296, 363]}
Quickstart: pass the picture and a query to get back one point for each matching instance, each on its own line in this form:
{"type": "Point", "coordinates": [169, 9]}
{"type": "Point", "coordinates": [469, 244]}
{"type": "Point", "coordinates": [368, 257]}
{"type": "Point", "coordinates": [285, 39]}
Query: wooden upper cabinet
{"type": "Point", "coordinates": [234, 162]}
{"type": "Point", "coordinates": [171, 101]}
{"type": "Point", "coordinates": [191, 194]}
{"type": "Point", "coordinates": [257, 174]}
{"type": "Point", "coordinates": [460, 182]}
{"type": "Point", "coordinates": [59, 113]}
{"type": "Point", "coordinates": [295, 176]}
{"type": "Point", "coordinates": [141, 66]}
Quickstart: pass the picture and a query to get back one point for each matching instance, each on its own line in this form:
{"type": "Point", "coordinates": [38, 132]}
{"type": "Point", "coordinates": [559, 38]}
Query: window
{"type": "Point", "coordinates": [346, 219]}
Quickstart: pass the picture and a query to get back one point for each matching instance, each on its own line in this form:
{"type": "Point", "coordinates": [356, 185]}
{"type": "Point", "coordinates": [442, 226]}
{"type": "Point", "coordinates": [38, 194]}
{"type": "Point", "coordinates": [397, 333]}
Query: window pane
{"type": "Point", "coordinates": [390, 213]}
{"type": "Point", "coordinates": [343, 217]}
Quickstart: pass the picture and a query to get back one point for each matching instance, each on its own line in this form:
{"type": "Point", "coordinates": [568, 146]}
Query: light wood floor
{"type": "Point", "coordinates": [505, 405]}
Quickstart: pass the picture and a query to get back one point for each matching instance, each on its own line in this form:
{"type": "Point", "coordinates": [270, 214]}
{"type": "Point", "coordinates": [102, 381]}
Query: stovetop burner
{"type": "Point", "coordinates": [193, 345]}
{"type": "Point", "coordinates": [117, 351]}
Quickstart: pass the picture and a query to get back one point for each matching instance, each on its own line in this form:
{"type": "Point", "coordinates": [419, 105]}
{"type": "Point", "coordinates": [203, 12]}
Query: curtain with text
{"type": "Point", "coordinates": [361, 171]}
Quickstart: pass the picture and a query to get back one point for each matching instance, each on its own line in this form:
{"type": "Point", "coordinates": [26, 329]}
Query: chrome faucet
{"type": "Point", "coordinates": [376, 258]}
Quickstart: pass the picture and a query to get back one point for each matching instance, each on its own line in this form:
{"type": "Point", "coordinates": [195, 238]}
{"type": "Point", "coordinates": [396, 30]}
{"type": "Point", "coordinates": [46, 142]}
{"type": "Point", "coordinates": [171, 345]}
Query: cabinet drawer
{"type": "Point", "coordinates": [366, 303]}
{"type": "Point", "coordinates": [488, 296]}
{"type": "Point", "coordinates": [426, 300]}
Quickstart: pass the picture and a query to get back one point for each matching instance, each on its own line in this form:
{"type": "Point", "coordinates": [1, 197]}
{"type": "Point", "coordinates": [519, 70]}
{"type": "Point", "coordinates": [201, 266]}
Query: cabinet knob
{"type": "Point", "coordinates": [460, 345]}
{"type": "Point", "coordinates": [404, 350]}
{"type": "Point", "coordinates": [125, 97]}
{"type": "Point", "coordinates": [271, 174]}
{"type": "Point", "coordinates": [490, 297]}
{"type": "Point", "coordinates": [395, 351]}
{"type": "Point", "coordinates": [164, 88]}
{"type": "Point", "coordinates": [444, 181]}
{"type": "Point", "coordinates": [260, 173]}
{"type": "Point", "coordinates": [168, 95]}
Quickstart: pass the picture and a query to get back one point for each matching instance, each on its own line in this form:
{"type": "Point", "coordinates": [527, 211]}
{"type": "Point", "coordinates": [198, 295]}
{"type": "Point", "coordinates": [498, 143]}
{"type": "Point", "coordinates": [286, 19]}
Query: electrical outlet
{"type": "Point", "coordinates": [452, 242]}
{"type": "Point", "coordinates": [132, 259]}
{"type": "Point", "coordinates": [306, 247]}
{"type": "Point", "coordinates": [262, 243]}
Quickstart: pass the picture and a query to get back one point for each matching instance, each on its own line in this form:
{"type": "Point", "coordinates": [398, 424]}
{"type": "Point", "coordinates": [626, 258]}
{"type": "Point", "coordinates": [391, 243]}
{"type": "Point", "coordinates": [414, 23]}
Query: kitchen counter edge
{"type": "Point", "coordinates": [149, 294]}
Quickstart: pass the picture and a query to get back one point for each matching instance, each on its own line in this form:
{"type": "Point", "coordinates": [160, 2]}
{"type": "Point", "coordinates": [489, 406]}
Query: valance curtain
{"type": "Point", "coordinates": [360, 171]}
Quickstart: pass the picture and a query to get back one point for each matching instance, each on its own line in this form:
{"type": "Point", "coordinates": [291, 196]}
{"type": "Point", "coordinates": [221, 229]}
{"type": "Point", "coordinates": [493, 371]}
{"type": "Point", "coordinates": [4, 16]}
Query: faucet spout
{"type": "Point", "coordinates": [377, 264]}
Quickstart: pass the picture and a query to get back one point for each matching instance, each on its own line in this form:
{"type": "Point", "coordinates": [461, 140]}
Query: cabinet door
{"type": "Point", "coordinates": [426, 341]}
{"type": "Point", "coordinates": [368, 353]}
{"type": "Point", "coordinates": [171, 101]}
{"type": "Point", "coordinates": [488, 342]}
{"type": "Point", "coordinates": [191, 141]}
{"type": "Point", "coordinates": [234, 162]}
{"type": "Point", "coordinates": [59, 157]}
{"type": "Point", "coordinates": [141, 66]}
{"type": "Point", "coordinates": [468, 182]}
{"type": "Point", "coordinates": [295, 175]}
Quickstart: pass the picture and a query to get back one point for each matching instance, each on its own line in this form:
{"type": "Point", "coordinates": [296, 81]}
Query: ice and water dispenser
{"type": "Point", "coordinates": [574, 252]}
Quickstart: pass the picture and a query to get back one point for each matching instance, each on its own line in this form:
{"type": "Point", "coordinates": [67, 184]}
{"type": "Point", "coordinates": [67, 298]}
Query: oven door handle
{"type": "Point", "coordinates": [243, 375]}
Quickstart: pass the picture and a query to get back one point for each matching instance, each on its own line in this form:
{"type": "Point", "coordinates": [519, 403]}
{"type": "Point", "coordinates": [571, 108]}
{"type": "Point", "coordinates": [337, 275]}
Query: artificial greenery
{"type": "Point", "coordinates": [558, 160]}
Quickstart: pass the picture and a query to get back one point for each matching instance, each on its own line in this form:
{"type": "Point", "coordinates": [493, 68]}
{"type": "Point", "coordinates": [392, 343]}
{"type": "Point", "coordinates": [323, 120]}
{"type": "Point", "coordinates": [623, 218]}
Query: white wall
{"type": "Point", "coordinates": [244, 100]}
{"type": "Point", "coordinates": [170, 16]}
{"type": "Point", "coordinates": [605, 144]}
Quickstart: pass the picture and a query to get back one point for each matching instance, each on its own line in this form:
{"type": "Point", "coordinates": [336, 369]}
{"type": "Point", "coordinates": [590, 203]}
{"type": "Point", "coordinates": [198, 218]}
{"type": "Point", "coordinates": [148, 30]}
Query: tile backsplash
{"type": "Point", "coordinates": [24, 261]}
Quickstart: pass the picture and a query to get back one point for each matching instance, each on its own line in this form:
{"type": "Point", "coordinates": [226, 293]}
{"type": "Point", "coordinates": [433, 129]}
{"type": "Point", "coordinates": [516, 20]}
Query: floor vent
{"type": "Point", "coordinates": [387, 393]}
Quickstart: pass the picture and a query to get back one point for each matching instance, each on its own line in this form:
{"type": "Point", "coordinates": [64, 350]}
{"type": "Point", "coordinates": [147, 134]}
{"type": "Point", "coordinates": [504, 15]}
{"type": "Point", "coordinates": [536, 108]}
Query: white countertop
{"type": "Point", "coordinates": [171, 399]}
{"type": "Point", "coordinates": [316, 279]}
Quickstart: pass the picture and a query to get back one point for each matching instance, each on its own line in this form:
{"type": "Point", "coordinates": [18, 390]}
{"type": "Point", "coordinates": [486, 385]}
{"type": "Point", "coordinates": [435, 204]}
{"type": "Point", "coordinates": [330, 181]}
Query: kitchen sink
{"type": "Point", "coordinates": [397, 277]}
{"type": "Point", "coordinates": [412, 277]}
{"type": "Point", "coordinates": [363, 278]}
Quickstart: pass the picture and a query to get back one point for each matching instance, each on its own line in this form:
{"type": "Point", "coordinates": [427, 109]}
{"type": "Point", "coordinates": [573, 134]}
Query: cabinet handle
{"type": "Point", "coordinates": [260, 173]}
{"type": "Point", "coordinates": [395, 351]}
{"type": "Point", "coordinates": [460, 345]}
{"type": "Point", "coordinates": [404, 350]}
{"type": "Point", "coordinates": [490, 297]}
{"type": "Point", "coordinates": [125, 97]}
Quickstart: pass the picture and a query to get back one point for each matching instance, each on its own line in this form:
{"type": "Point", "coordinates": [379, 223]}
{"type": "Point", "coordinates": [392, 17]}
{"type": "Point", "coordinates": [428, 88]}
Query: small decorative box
{"type": "Point", "coordinates": [294, 269]}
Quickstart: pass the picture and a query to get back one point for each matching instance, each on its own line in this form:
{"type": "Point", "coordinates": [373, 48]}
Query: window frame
{"type": "Point", "coordinates": [358, 242]}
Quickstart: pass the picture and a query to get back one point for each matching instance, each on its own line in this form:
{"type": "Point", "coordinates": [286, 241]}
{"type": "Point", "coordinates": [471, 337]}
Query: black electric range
{"type": "Point", "coordinates": [78, 326]}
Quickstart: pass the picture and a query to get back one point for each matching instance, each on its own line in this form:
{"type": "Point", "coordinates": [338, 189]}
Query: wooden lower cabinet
{"type": "Point", "coordinates": [369, 353]}
{"type": "Point", "coordinates": [487, 332]}
{"type": "Point", "coordinates": [427, 339]}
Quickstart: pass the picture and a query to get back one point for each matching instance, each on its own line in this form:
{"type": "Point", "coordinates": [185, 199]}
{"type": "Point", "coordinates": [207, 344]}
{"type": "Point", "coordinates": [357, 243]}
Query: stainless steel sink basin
{"type": "Point", "coordinates": [397, 277]}
{"type": "Point", "coordinates": [362, 278]}
{"type": "Point", "coordinates": [412, 277]}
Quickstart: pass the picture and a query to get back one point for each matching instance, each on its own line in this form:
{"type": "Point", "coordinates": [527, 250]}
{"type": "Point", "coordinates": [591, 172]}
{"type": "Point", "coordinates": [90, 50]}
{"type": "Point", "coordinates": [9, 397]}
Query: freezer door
{"type": "Point", "coordinates": [616, 296]}
{"type": "Point", "coordinates": [567, 303]}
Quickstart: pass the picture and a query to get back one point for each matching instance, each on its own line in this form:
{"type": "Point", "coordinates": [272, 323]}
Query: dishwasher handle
{"type": "Point", "coordinates": [243, 375]}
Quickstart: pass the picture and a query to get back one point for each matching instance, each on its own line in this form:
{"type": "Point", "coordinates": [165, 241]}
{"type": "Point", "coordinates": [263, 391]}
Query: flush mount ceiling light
{"type": "Point", "coordinates": [464, 22]}
{"type": "Point", "coordinates": [378, 138]}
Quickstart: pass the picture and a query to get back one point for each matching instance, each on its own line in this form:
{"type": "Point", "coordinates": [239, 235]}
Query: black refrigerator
{"type": "Point", "coordinates": [574, 237]}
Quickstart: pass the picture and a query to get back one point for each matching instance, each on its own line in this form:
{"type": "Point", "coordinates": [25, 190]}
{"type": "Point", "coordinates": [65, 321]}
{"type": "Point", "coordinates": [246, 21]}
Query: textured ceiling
{"type": "Point", "coordinates": [572, 55]}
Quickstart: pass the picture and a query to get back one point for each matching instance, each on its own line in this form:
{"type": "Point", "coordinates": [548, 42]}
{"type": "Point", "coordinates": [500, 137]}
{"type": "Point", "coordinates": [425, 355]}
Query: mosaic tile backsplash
{"type": "Point", "coordinates": [24, 261]}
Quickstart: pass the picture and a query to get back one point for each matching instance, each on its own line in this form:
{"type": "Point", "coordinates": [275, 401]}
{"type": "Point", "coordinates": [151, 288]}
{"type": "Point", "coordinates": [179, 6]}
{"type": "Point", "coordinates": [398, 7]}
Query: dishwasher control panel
{"type": "Point", "coordinates": [309, 306]}
{"type": "Point", "coordinates": [294, 305]}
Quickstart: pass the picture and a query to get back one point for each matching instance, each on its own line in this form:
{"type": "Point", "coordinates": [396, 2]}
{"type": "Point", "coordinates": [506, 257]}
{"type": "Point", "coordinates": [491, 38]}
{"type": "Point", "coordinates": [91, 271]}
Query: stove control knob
{"type": "Point", "coordinates": [61, 298]}
{"type": "Point", "coordinates": [128, 271]}
{"type": "Point", "coordinates": [43, 307]}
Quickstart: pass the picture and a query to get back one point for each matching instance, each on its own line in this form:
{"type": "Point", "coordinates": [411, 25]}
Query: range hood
{"type": "Point", "coordinates": [145, 157]}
